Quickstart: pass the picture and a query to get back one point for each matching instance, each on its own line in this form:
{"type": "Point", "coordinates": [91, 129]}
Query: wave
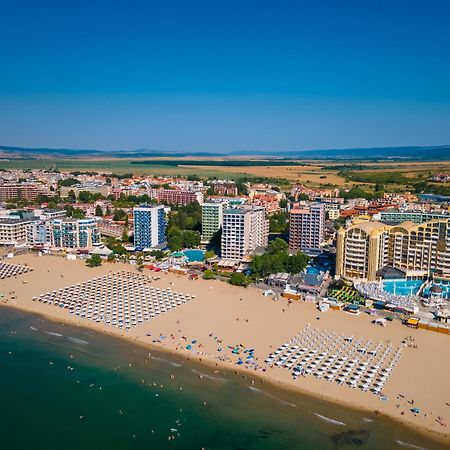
{"type": "Point", "coordinates": [53, 334]}
{"type": "Point", "coordinates": [327, 419]}
{"type": "Point", "coordinates": [271, 396]}
{"type": "Point", "coordinates": [77, 341]}
{"type": "Point", "coordinates": [405, 444]}
{"type": "Point", "coordinates": [208, 376]}
{"type": "Point", "coordinates": [365, 419]}
{"type": "Point", "coordinates": [174, 364]}
{"type": "Point", "coordinates": [34, 329]}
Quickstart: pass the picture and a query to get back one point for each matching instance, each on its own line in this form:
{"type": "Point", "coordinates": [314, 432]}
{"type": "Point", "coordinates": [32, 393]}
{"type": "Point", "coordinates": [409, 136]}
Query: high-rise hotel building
{"type": "Point", "coordinates": [244, 230]}
{"type": "Point", "coordinates": [418, 250]}
{"type": "Point", "coordinates": [306, 228]}
{"type": "Point", "coordinates": [212, 219]}
{"type": "Point", "coordinates": [149, 225]}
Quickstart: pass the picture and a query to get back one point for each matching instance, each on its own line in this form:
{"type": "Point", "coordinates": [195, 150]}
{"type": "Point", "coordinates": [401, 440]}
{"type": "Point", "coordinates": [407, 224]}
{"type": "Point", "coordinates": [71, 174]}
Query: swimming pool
{"type": "Point", "coordinates": [444, 286]}
{"type": "Point", "coordinates": [402, 287]}
{"type": "Point", "coordinates": [313, 270]}
{"type": "Point", "coordinates": [194, 255]}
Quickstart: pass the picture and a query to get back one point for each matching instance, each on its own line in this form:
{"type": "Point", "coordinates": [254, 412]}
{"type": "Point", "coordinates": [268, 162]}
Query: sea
{"type": "Point", "coordinates": [66, 387]}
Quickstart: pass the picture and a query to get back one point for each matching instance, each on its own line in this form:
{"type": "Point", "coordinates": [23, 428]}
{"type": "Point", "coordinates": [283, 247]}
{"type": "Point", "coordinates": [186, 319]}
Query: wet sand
{"type": "Point", "coordinates": [236, 316]}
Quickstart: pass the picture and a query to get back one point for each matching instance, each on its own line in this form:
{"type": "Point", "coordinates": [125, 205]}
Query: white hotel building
{"type": "Point", "coordinates": [244, 230]}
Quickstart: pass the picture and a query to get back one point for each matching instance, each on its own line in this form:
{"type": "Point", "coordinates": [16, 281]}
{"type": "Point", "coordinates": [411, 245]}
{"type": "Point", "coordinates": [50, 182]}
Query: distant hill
{"type": "Point", "coordinates": [424, 153]}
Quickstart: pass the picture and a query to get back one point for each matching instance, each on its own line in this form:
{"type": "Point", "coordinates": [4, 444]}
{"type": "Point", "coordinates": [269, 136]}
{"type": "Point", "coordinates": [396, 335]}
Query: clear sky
{"type": "Point", "coordinates": [224, 74]}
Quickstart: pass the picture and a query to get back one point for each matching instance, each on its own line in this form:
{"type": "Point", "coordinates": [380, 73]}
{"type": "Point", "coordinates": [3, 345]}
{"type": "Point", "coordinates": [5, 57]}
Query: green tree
{"type": "Point", "coordinates": [68, 182]}
{"type": "Point", "coordinates": [278, 222]}
{"type": "Point", "coordinates": [98, 211]}
{"type": "Point", "coordinates": [191, 239]}
{"type": "Point", "coordinates": [125, 237]}
{"type": "Point", "coordinates": [157, 254]}
{"type": "Point", "coordinates": [208, 274]}
{"type": "Point", "coordinates": [175, 242]}
{"type": "Point", "coordinates": [84, 196]}
{"type": "Point", "coordinates": [209, 254]}
{"type": "Point", "coordinates": [94, 261]}
{"type": "Point", "coordinates": [71, 196]}
{"type": "Point", "coordinates": [242, 188]}
{"type": "Point", "coordinates": [297, 262]}
{"type": "Point", "coordinates": [119, 215]}
{"type": "Point", "coordinates": [239, 279]}
{"type": "Point", "coordinates": [278, 245]}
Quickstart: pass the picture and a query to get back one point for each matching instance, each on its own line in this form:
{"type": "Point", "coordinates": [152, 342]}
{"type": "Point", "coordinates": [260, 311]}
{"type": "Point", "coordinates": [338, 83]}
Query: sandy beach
{"type": "Point", "coordinates": [222, 315]}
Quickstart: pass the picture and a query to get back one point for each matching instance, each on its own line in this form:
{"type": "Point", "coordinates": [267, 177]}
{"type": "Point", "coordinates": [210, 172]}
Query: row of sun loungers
{"type": "Point", "coordinates": [337, 358]}
{"type": "Point", "coordinates": [123, 299]}
{"type": "Point", "coordinates": [12, 270]}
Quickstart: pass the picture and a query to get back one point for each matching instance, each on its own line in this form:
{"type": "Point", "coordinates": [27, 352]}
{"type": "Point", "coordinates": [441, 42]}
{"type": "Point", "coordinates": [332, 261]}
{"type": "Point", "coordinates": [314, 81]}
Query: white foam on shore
{"type": "Point", "coordinates": [208, 376]}
{"type": "Point", "coordinates": [365, 419]}
{"type": "Point", "coordinates": [34, 329]}
{"type": "Point", "coordinates": [166, 361]}
{"type": "Point", "coordinates": [53, 334]}
{"type": "Point", "coordinates": [271, 396]}
{"type": "Point", "coordinates": [327, 419]}
{"type": "Point", "coordinates": [77, 341]}
{"type": "Point", "coordinates": [405, 444]}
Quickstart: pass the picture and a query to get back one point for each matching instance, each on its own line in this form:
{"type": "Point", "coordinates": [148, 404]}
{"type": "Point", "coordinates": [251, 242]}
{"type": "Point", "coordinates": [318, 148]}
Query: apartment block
{"type": "Point", "coordinates": [149, 225]}
{"type": "Point", "coordinates": [25, 191]}
{"type": "Point", "coordinates": [75, 233]}
{"type": "Point", "coordinates": [244, 230]}
{"type": "Point", "coordinates": [212, 219]}
{"type": "Point", "coordinates": [13, 231]}
{"type": "Point", "coordinates": [418, 250]}
{"type": "Point", "coordinates": [306, 228]}
{"type": "Point", "coordinates": [176, 196]}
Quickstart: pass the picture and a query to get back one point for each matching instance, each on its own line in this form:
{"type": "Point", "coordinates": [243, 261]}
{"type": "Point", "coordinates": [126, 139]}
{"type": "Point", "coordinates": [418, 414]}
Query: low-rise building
{"type": "Point", "coordinates": [13, 231]}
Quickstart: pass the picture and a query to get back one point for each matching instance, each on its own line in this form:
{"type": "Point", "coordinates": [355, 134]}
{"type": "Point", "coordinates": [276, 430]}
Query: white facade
{"type": "Point", "coordinates": [244, 229]}
{"type": "Point", "coordinates": [307, 228]}
{"type": "Point", "coordinates": [13, 232]}
{"type": "Point", "coordinates": [75, 233]}
{"type": "Point", "coordinates": [39, 232]}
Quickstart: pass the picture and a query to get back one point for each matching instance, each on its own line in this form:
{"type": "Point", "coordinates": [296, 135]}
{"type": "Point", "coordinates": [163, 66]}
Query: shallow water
{"type": "Point", "coordinates": [67, 387]}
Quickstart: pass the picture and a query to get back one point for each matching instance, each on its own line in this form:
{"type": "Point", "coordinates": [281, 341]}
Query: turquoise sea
{"type": "Point", "coordinates": [63, 387]}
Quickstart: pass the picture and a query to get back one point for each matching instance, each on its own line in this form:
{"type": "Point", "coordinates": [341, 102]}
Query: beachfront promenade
{"type": "Point", "coordinates": [239, 328]}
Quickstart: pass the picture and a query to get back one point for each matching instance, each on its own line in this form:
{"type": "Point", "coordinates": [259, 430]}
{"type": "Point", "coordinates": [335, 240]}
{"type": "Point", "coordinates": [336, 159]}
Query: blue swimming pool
{"type": "Point", "coordinates": [194, 255]}
{"type": "Point", "coordinates": [313, 270]}
{"type": "Point", "coordinates": [402, 287]}
{"type": "Point", "coordinates": [445, 289]}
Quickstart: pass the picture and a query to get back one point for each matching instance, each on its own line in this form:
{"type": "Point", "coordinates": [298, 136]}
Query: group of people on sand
{"type": "Point", "coordinates": [409, 406]}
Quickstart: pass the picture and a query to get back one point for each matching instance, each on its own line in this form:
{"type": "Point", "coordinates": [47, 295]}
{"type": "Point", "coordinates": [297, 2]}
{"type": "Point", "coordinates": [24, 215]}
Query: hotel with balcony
{"type": "Point", "coordinates": [416, 250]}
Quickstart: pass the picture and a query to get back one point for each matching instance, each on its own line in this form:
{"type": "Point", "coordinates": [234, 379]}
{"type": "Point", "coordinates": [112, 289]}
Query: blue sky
{"type": "Point", "coordinates": [224, 75]}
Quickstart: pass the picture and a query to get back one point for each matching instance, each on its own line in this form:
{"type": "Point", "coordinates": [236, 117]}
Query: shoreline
{"type": "Point", "coordinates": [278, 379]}
{"type": "Point", "coordinates": [266, 381]}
